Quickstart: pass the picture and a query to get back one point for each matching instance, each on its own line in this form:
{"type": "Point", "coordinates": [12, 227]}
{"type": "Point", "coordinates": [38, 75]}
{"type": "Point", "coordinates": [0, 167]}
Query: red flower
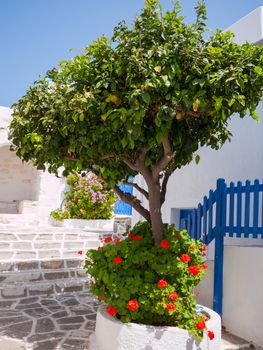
{"type": "Point", "coordinates": [80, 252]}
{"type": "Point", "coordinates": [107, 240]}
{"type": "Point", "coordinates": [204, 266]}
{"type": "Point", "coordinates": [193, 270]}
{"type": "Point", "coordinates": [170, 306]}
{"type": "Point", "coordinates": [177, 235]}
{"type": "Point", "coordinates": [204, 247]}
{"type": "Point", "coordinates": [117, 240]}
{"type": "Point", "coordinates": [185, 258]}
{"type": "Point", "coordinates": [101, 297]}
{"type": "Point", "coordinates": [98, 248]}
{"type": "Point", "coordinates": [173, 296]}
{"type": "Point", "coordinates": [117, 260]}
{"type": "Point", "coordinates": [136, 238]}
{"type": "Point", "coordinates": [130, 235]}
{"type": "Point", "coordinates": [211, 335]}
{"type": "Point", "coordinates": [132, 305]}
{"type": "Point", "coordinates": [111, 310]}
{"type": "Point", "coordinates": [162, 283]}
{"type": "Point", "coordinates": [191, 247]}
{"type": "Point", "coordinates": [200, 325]}
{"type": "Point", "coordinates": [203, 253]}
{"type": "Point", "coordinates": [165, 244]}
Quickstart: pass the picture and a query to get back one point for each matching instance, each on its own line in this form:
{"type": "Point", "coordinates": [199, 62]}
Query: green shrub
{"type": "Point", "coordinates": [87, 198]}
{"type": "Point", "coordinates": [59, 214]}
{"type": "Point", "coordinates": [146, 283]}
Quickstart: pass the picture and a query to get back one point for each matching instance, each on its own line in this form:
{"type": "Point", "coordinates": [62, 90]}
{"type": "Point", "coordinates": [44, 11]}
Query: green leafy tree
{"type": "Point", "coordinates": [142, 102]}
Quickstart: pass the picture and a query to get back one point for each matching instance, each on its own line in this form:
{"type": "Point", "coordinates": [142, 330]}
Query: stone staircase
{"type": "Point", "coordinates": [42, 260]}
{"type": "Point", "coordinates": [25, 279]}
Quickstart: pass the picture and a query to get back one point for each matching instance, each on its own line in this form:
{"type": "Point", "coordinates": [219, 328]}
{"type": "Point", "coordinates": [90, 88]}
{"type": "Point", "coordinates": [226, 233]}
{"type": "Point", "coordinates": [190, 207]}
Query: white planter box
{"type": "Point", "coordinates": [99, 225]}
{"type": "Point", "coordinates": [111, 334]}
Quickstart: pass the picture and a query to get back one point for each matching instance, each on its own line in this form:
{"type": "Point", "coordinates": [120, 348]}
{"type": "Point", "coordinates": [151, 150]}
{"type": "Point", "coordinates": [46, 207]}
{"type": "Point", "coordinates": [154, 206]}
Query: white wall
{"type": "Point", "coordinates": [249, 28]}
{"type": "Point", "coordinates": [18, 181]}
{"type": "Point", "coordinates": [242, 292]}
{"type": "Point", "coordinates": [23, 182]}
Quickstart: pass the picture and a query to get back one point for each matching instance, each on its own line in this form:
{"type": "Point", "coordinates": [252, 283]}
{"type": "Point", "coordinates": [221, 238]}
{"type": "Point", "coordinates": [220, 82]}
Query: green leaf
{"type": "Point", "coordinates": [146, 97]}
{"type": "Point", "coordinates": [255, 116]}
{"type": "Point", "coordinates": [197, 159]}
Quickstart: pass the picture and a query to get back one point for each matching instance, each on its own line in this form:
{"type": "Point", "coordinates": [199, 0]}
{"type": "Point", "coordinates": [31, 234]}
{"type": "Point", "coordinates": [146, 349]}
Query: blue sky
{"type": "Point", "coordinates": [36, 34]}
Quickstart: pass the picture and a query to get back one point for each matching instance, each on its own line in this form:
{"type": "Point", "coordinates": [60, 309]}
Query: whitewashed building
{"type": "Point", "coordinates": [24, 189]}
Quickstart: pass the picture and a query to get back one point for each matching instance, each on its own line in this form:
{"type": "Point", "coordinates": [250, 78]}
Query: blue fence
{"type": "Point", "coordinates": [122, 208]}
{"type": "Point", "coordinates": [233, 211]}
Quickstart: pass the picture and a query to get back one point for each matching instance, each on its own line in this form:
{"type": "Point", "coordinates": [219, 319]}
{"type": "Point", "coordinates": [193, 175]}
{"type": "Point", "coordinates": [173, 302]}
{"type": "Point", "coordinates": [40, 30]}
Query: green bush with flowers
{"type": "Point", "coordinates": [87, 198]}
{"type": "Point", "coordinates": [151, 284]}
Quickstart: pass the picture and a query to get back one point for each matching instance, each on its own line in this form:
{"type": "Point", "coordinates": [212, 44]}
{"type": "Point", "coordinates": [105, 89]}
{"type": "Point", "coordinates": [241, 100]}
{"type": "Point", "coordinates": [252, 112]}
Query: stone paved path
{"type": "Point", "coordinates": [57, 322]}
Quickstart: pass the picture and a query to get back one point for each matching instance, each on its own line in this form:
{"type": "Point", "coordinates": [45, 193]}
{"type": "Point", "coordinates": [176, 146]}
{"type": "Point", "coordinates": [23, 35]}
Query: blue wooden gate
{"type": "Point", "coordinates": [234, 210]}
{"type": "Point", "coordinates": [122, 208]}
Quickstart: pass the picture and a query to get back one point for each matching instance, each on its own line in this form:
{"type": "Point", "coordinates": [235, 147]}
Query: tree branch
{"type": "Point", "coordinates": [138, 188]}
{"type": "Point", "coordinates": [133, 201]}
{"type": "Point", "coordinates": [167, 156]}
{"type": "Point", "coordinates": [167, 175]}
{"type": "Point", "coordinates": [130, 163]}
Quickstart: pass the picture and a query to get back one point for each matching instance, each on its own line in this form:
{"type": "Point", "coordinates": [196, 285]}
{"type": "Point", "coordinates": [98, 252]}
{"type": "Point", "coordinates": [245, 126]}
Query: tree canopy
{"type": "Point", "coordinates": [143, 101]}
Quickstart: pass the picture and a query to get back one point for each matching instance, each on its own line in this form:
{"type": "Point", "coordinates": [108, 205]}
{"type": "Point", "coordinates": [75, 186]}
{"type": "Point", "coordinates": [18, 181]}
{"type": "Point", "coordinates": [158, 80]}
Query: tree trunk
{"type": "Point", "coordinates": [155, 210]}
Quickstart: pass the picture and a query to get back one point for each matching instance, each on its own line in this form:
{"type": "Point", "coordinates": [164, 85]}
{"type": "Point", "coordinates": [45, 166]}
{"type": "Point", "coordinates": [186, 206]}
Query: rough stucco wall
{"type": "Point", "coordinates": [18, 181]}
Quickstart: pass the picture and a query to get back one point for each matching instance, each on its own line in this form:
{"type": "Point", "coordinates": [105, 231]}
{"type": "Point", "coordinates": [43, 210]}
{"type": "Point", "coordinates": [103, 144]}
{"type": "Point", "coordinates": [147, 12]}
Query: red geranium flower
{"type": "Point", "coordinates": [177, 235]}
{"type": "Point", "coordinates": [170, 306]}
{"type": "Point", "coordinates": [101, 297]}
{"type": "Point", "coordinates": [80, 252]}
{"type": "Point", "coordinates": [130, 235]}
{"type": "Point", "coordinates": [117, 240]}
{"type": "Point", "coordinates": [111, 310]}
{"type": "Point", "coordinates": [173, 296]}
{"type": "Point", "coordinates": [107, 240]}
{"type": "Point", "coordinates": [191, 247]}
{"type": "Point", "coordinates": [136, 238]}
{"type": "Point", "coordinates": [165, 244]}
{"type": "Point", "coordinates": [162, 283]}
{"type": "Point", "coordinates": [200, 325]}
{"type": "Point", "coordinates": [193, 270]}
{"type": "Point", "coordinates": [204, 247]}
{"type": "Point", "coordinates": [203, 253]}
{"type": "Point", "coordinates": [117, 260]}
{"type": "Point", "coordinates": [204, 266]}
{"type": "Point", "coordinates": [211, 335]}
{"type": "Point", "coordinates": [132, 305]}
{"type": "Point", "coordinates": [185, 258]}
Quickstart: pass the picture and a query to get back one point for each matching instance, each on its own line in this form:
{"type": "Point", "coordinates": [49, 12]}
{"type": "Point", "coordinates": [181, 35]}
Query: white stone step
{"type": "Point", "coordinates": [21, 289]}
{"type": "Point", "coordinates": [45, 243]}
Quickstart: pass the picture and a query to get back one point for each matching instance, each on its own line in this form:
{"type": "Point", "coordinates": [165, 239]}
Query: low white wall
{"type": "Point", "coordinates": [242, 292]}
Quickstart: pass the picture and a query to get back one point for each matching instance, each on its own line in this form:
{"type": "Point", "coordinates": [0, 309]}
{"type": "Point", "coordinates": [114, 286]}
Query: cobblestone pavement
{"type": "Point", "coordinates": [56, 322]}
